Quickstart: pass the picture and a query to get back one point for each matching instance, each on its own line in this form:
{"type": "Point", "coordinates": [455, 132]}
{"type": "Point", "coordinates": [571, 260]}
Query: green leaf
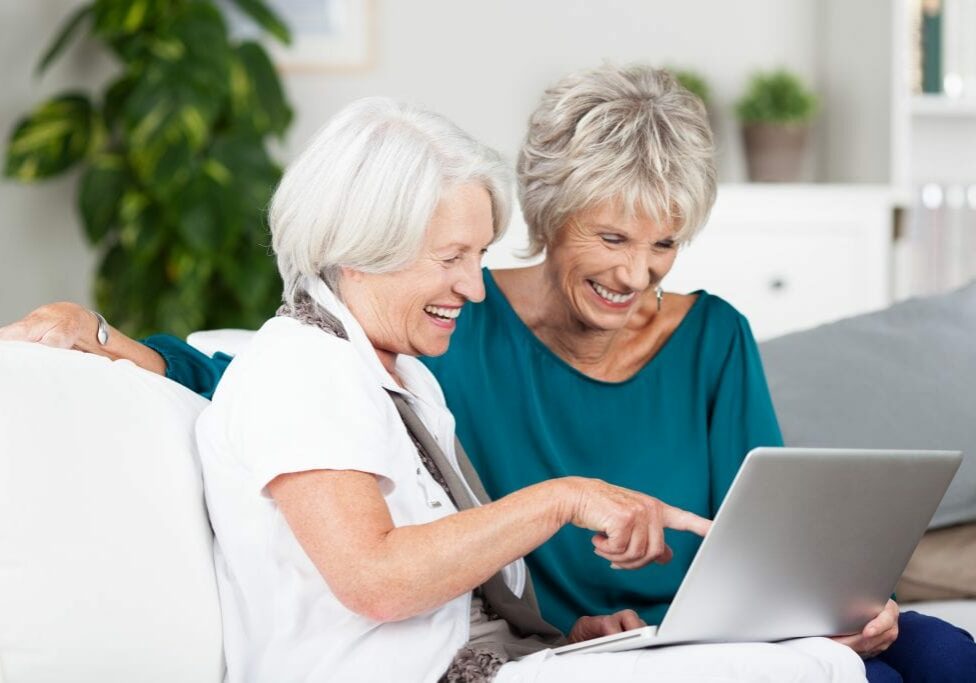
{"type": "Point", "coordinates": [257, 99]}
{"type": "Point", "coordinates": [125, 17]}
{"type": "Point", "coordinates": [100, 194]}
{"type": "Point", "coordinates": [171, 110]}
{"type": "Point", "coordinates": [51, 139]}
{"type": "Point", "coordinates": [63, 37]}
{"type": "Point", "coordinates": [115, 98]}
{"type": "Point", "coordinates": [199, 223]}
{"type": "Point", "coordinates": [243, 201]}
{"type": "Point", "coordinates": [266, 19]}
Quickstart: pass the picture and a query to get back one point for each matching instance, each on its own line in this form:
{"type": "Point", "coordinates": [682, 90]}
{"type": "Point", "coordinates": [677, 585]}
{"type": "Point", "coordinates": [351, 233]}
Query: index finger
{"type": "Point", "coordinates": [682, 520]}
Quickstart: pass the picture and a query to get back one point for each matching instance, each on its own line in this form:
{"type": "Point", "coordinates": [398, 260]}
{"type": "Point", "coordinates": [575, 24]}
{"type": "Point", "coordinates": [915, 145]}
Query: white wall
{"type": "Point", "coordinates": [484, 64]}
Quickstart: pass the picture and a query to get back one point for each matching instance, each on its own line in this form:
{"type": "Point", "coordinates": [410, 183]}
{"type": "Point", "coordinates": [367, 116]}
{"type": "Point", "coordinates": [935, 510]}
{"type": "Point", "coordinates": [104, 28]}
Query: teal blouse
{"type": "Point", "coordinates": [677, 430]}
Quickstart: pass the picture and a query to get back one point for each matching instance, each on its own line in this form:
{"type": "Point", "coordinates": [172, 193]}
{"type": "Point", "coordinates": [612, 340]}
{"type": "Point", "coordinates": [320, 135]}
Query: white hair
{"type": "Point", "coordinates": [363, 192]}
{"type": "Point", "coordinates": [629, 134]}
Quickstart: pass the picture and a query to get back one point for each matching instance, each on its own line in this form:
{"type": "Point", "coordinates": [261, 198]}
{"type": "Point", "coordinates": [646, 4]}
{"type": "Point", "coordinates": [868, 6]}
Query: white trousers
{"type": "Point", "coordinates": [805, 659]}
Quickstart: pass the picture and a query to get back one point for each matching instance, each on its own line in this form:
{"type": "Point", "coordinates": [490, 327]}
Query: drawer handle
{"type": "Point", "coordinates": [777, 284]}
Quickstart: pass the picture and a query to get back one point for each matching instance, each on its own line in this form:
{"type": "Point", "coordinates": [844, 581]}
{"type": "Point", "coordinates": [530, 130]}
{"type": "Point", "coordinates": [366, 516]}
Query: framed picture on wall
{"type": "Point", "coordinates": [327, 35]}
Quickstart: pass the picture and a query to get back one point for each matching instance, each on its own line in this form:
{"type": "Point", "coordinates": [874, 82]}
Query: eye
{"type": "Point", "coordinates": [452, 259]}
{"type": "Point", "coordinates": [612, 238]}
{"type": "Point", "coordinates": [664, 245]}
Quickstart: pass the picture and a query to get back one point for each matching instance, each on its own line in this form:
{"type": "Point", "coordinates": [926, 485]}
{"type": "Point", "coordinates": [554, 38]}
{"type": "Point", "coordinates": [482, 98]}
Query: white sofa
{"type": "Point", "coordinates": [106, 571]}
{"type": "Point", "coordinates": [106, 567]}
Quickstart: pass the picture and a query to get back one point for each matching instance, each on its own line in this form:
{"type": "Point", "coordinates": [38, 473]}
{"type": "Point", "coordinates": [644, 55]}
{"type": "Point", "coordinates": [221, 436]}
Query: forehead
{"type": "Point", "coordinates": [633, 221]}
{"type": "Point", "coordinates": [464, 217]}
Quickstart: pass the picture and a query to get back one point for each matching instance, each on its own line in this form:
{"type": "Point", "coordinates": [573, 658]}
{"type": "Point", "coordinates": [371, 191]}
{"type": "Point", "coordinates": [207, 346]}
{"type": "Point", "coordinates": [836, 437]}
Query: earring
{"type": "Point", "coordinates": [660, 295]}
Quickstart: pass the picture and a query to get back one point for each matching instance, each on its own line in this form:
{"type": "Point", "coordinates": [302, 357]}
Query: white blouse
{"type": "Point", "coordinates": [299, 399]}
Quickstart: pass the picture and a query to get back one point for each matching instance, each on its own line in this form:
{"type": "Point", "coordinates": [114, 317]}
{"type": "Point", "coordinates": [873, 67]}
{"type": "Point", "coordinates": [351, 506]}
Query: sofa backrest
{"type": "Point", "coordinates": [106, 569]}
{"type": "Point", "coordinates": [904, 377]}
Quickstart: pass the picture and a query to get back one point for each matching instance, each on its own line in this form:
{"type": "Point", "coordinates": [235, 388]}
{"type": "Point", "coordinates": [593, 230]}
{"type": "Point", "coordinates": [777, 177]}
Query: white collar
{"type": "Point", "coordinates": [327, 299]}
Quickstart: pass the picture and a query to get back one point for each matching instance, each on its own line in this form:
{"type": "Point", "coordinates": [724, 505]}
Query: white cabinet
{"type": "Point", "coordinates": [787, 256]}
{"type": "Point", "coordinates": [793, 256]}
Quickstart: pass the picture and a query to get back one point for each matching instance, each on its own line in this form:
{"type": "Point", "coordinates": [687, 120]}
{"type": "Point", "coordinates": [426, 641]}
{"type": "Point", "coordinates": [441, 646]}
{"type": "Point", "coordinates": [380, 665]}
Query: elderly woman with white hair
{"type": "Point", "coordinates": [580, 365]}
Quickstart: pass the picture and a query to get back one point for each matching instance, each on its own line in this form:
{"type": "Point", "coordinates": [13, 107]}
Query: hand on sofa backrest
{"type": "Point", "coordinates": [69, 326]}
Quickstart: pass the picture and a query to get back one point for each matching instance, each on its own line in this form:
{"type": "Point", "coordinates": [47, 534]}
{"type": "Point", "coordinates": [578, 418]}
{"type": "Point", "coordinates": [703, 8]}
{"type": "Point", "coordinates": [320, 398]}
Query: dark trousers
{"type": "Point", "coordinates": [927, 649]}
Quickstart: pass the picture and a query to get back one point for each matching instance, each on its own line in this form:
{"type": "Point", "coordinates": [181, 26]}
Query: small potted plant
{"type": "Point", "coordinates": [775, 114]}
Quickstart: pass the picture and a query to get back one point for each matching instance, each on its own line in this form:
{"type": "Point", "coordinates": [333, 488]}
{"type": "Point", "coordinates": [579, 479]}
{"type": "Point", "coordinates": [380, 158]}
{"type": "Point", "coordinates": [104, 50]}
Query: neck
{"type": "Point", "coordinates": [563, 332]}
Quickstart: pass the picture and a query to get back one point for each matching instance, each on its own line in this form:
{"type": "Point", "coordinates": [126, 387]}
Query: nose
{"type": "Point", "coordinates": [635, 273]}
{"type": "Point", "coordinates": [471, 283]}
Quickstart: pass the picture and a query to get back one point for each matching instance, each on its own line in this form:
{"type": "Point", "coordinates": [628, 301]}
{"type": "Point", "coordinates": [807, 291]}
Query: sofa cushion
{"type": "Point", "coordinates": [943, 566]}
{"type": "Point", "coordinates": [106, 570]}
{"type": "Point", "coordinates": [904, 377]}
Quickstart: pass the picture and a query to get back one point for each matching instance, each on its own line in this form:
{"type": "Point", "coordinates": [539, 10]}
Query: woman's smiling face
{"type": "Point", "coordinates": [603, 259]}
{"type": "Point", "coordinates": [413, 310]}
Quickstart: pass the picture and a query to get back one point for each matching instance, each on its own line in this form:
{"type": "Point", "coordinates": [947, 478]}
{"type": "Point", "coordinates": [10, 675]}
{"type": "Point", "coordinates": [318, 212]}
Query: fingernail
{"type": "Point", "coordinates": [614, 565]}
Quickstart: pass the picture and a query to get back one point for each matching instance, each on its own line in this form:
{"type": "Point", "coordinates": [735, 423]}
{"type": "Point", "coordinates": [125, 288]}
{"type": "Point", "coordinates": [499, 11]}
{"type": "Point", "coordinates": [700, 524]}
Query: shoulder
{"type": "Point", "coordinates": [288, 358]}
{"type": "Point", "coordinates": [719, 334]}
{"type": "Point", "coordinates": [720, 319]}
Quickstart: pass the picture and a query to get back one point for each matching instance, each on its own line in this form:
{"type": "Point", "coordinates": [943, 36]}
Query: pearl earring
{"type": "Point", "coordinates": [660, 295]}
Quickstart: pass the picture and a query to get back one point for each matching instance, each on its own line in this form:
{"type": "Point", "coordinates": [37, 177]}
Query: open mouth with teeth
{"type": "Point", "coordinates": [442, 315]}
{"type": "Point", "coordinates": [611, 297]}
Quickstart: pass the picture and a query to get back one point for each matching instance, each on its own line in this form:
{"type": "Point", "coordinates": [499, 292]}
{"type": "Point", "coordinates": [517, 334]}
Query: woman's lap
{"type": "Point", "coordinates": [807, 659]}
{"type": "Point", "coordinates": [927, 649]}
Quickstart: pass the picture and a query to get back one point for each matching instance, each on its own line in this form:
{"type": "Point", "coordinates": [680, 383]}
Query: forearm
{"type": "Point", "coordinates": [385, 572]}
{"type": "Point", "coordinates": [389, 573]}
{"type": "Point", "coordinates": [122, 347]}
{"type": "Point", "coordinates": [426, 565]}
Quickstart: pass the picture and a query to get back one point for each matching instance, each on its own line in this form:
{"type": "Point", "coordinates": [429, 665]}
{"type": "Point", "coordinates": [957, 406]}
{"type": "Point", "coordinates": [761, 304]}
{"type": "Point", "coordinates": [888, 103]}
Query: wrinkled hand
{"type": "Point", "coordinates": [587, 628]}
{"type": "Point", "coordinates": [630, 525]}
{"type": "Point", "coordinates": [878, 634]}
{"type": "Point", "coordinates": [60, 324]}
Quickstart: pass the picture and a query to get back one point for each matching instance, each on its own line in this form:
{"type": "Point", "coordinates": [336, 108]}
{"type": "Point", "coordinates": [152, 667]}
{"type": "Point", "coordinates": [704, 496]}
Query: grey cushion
{"type": "Point", "coordinates": [904, 377]}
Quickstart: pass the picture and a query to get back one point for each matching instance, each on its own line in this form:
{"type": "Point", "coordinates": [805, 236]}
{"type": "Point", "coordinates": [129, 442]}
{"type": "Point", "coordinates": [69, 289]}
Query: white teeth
{"type": "Point", "coordinates": [611, 296]}
{"type": "Point", "coordinates": [450, 313]}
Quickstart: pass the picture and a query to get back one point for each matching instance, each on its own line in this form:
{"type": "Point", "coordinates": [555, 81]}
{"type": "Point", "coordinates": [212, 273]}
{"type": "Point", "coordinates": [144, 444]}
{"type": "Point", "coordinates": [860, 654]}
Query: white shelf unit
{"type": "Point", "coordinates": [933, 135]}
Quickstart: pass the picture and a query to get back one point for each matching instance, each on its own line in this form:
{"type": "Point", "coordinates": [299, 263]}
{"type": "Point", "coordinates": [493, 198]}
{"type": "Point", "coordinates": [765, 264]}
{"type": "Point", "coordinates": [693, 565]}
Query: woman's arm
{"type": "Point", "coordinates": [70, 326]}
{"type": "Point", "coordinates": [389, 573]}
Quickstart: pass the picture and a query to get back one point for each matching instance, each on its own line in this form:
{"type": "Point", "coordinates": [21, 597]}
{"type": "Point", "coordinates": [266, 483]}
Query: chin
{"type": "Point", "coordinates": [433, 349]}
{"type": "Point", "coordinates": [603, 320]}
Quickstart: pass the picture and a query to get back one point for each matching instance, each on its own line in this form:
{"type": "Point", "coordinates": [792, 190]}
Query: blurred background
{"type": "Point", "coordinates": [161, 163]}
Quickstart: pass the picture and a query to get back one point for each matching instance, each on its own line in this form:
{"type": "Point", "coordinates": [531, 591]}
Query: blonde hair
{"type": "Point", "coordinates": [629, 134]}
{"type": "Point", "coordinates": [364, 190]}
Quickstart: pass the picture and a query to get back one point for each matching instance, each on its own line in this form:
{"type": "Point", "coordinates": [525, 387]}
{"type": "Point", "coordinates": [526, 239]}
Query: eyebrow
{"type": "Point", "coordinates": [460, 246]}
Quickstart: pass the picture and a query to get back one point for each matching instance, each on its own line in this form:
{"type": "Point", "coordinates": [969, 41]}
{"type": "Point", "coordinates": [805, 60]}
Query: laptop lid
{"type": "Point", "coordinates": [808, 542]}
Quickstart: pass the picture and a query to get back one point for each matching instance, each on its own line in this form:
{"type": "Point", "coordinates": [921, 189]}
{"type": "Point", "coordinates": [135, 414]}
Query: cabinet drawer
{"type": "Point", "coordinates": [786, 268]}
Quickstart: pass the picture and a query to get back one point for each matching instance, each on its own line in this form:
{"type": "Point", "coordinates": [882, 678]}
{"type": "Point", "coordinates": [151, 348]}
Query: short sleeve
{"type": "Point", "coordinates": [187, 366]}
{"type": "Point", "coordinates": [741, 415]}
{"type": "Point", "coordinates": [303, 400]}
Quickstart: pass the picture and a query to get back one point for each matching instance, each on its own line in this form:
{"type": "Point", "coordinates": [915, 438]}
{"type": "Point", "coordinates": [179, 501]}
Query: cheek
{"type": "Point", "coordinates": [667, 264]}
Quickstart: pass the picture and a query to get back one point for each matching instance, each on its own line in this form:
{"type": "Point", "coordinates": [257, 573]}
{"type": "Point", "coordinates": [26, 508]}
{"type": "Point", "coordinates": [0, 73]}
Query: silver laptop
{"type": "Point", "coordinates": [808, 542]}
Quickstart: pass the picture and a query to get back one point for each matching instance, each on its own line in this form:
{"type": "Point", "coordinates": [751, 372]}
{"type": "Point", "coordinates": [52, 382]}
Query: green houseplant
{"type": "Point", "coordinates": [175, 171]}
{"type": "Point", "coordinates": [775, 113]}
